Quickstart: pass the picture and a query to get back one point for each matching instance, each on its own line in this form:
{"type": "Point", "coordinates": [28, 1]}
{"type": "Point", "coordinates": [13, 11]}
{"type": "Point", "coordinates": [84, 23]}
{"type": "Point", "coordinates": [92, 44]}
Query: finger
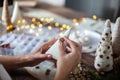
{"type": "Point", "coordinates": [45, 46]}
{"type": "Point", "coordinates": [71, 44]}
{"type": "Point", "coordinates": [61, 48]}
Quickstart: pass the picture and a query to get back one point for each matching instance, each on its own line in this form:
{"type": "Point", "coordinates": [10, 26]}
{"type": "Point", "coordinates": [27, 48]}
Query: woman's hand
{"type": "Point", "coordinates": [67, 60]}
{"type": "Point", "coordinates": [32, 59]}
{"type": "Point", "coordinates": [38, 55]}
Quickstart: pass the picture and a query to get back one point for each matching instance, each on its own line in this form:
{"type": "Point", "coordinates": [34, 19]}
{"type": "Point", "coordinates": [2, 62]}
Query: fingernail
{"type": "Point", "coordinates": [49, 56]}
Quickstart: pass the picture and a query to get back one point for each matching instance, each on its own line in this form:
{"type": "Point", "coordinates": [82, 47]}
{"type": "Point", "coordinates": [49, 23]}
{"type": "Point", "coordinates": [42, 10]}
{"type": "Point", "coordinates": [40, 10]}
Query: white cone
{"type": "Point", "coordinates": [3, 74]}
{"type": "Point", "coordinates": [104, 60]}
{"type": "Point", "coordinates": [5, 14]}
{"type": "Point", "coordinates": [54, 49]}
{"type": "Point", "coordinates": [116, 37]}
{"type": "Point", "coordinates": [16, 14]}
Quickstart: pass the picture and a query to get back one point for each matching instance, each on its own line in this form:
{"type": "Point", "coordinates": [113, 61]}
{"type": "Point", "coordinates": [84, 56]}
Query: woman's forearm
{"type": "Point", "coordinates": [12, 62]}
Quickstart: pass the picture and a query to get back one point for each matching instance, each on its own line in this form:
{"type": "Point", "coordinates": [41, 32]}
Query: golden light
{"type": "Point", "coordinates": [83, 19]}
{"type": "Point", "coordinates": [31, 31]}
{"type": "Point", "coordinates": [94, 17]}
{"type": "Point", "coordinates": [47, 20]}
{"type": "Point", "coordinates": [18, 29]}
{"type": "Point", "coordinates": [22, 26]}
{"type": "Point", "coordinates": [27, 26]}
{"type": "Point", "coordinates": [40, 25]}
{"type": "Point", "coordinates": [19, 21]}
{"type": "Point", "coordinates": [40, 29]}
{"type": "Point", "coordinates": [51, 19]}
{"type": "Point", "coordinates": [9, 27]}
{"type": "Point", "coordinates": [49, 27]}
{"type": "Point", "coordinates": [32, 25]}
{"type": "Point", "coordinates": [37, 34]}
{"type": "Point", "coordinates": [23, 21]}
{"type": "Point", "coordinates": [33, 19]}
{"type": "Point", "coordinates": [64, 26]}
{"type": "Point", "coordinates": [61, 29]}
{"type": "Point", "coordinates": [57, 24]}
{"type": "Point", "coordinates": [68, 27]}
{"type": "Point", "coordinates": [42, 19]}
{"type": "Point", "coordinates": [75, 20]}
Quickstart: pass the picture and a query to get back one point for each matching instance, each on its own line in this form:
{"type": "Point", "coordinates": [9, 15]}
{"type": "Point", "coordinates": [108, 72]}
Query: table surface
{"type": "Point", "coordinates": [62, 11]}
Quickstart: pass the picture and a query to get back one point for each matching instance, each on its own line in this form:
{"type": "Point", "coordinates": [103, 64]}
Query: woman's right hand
{"type": "Point", "coordinates": [67, 61]}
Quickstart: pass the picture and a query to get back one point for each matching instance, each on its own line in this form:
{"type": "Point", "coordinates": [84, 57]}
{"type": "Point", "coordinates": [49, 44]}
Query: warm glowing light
{"type": "Point", "coordinates": [77, 23]}
{"type": "Point", "coordinates": [56, 24]}
{"type": "Point", "coordinates": [23, 21]}
{"type": "Point", "coordinates": [68, 27]}
{"type": "Point", "coordinates": [61, 29]}
{"type": "Point", "coordinates": [40, 29]}
{"type": "Point", "coordinates": [47, 20]}
{"type": "Point", "coordinates": [86, 32]}
{"type": "Point", "coordinates": [33, 19]}
{"type": "Point", "coordinates": [64, 26]}
{"type": "Point", "coordinates": [42, 19]}
{"type": "Point", "coordinates": [83, 19]}
{"type": "Point", "coordinates": [27, 26]}
{"type": "Point", "coordinates": [49, 27]}
{"type": "Point", "coordinates": [19, 21]}
{"type": "Point", "coordinates": [51, 19]}
{"type": "Point", "coordinates": [22, 27]}
{"type": "Point", "coordinates": [18, 29]}
{"type": "Point", "coordinates": [37, 34]}
{"type": "Point", "coordinates": [40, 25]}
{"type": "Point", "coordinates": [31, 31]}
{"type": "Point", "coordinates": [9, 27]}
{"type": "Point", "coordinates": [94, 17]}
{"type": "Point", "coordinates": [74, 20]}
{"type": "Point", "coordinates": [32, 25]}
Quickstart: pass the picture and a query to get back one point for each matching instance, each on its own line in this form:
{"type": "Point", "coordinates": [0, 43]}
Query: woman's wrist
{"type": "Point", "coordinates": [61, 75]}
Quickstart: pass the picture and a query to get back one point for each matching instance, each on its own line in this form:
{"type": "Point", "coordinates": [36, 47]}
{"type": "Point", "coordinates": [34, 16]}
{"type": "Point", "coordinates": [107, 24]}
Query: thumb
{"type": "Point", "coordinates": [61, 48]}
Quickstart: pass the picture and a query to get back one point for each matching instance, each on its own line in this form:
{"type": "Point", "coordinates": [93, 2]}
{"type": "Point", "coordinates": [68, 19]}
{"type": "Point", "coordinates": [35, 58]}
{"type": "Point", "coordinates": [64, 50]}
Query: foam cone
{"type": "Point", "coordinates": [104, 59]}
{"type": "Point", "coordinates": [116, 37]}
{"type": "Point", "coordinates": [54, 49]}
{"type": "Point", "coordinates": [5, 14]}
{"type": "Point", "coordinates": [3, 74]}
{"type": "Point", "coordinates": [16, 14]}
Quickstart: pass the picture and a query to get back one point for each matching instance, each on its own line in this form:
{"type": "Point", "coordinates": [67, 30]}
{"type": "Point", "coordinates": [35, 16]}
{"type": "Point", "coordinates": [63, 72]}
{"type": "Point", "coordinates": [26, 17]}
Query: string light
{"type": "Point", "coordinates": [32, 25]}
{"type": "Point", "coordinates": [18, 29]}
{"type": "Point", "coordinates": [56, 24]}
{"type": "Point", "coordinates": [41, 19]}
{"type": "Point", "coordinates": [61, 29]}
{"type": "Point", "coordinates": [33, 19]}
{"type": "Point", "coordinates": [49, 27]}
{"type": "Point", "coordinates": [19, 21]}
{"type": "Point", "coordinates": [37, 34]}
{"type": "Point", "coordinates": [9, 27]}
{"type": "Point", "coordinates": [31, 31]}
{"type": "Point", "coordinates": [40, 25]}
{"type": "Point", "coordinates": [94, 17]}
{"type": "Point", "coordinates": [23, 21]}
{"type": "Point", "coordinates": [40, 29]}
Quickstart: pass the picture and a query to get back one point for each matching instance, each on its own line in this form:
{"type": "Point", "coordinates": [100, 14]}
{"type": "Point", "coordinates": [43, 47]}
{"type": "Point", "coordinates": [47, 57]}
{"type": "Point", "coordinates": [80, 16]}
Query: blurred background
{"type": "Point", "coordinates": [102, 8]}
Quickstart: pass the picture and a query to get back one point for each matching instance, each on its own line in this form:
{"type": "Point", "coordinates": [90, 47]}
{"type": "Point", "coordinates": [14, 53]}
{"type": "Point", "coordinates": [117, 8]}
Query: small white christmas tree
{"type": "Point", "coordinates": [16, 14]}
{"type": "Point", "coordinates": [116, 37]}
{"type": "Point", "coordinates": [3, 74]}
{"type": "Point", "coordinates": [104, 60]}
{"type": "Point", "coordinates": [5, 14]}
